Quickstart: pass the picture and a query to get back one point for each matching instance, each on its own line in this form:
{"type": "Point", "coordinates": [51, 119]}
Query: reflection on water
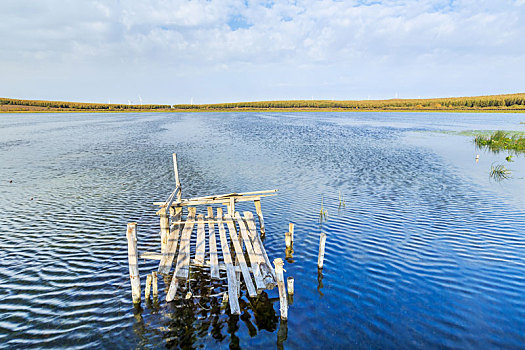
{"type": "Point", "coordinates": [427, 252]}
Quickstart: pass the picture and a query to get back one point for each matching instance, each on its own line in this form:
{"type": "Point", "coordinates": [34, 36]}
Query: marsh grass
{"type": "Point", "coordinates": [342, 202]}
{"type": "Point", "coordinates": [323, 214]}
{"type": "Point", "coordinates": [499, 172]}
{"type": "Point", "coordinates": [501, 140]}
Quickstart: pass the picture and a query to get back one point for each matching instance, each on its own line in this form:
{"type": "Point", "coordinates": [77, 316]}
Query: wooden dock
{"type": "Point", "coordinates": [207, 232]}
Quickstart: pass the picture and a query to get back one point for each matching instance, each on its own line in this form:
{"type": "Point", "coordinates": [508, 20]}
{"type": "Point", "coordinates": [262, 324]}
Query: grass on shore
{"type": "Point", "coordinates": [502, 103]}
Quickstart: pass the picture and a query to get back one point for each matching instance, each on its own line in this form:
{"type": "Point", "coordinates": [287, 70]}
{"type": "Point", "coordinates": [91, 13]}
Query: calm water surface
{"type": "Point", "coordinates": [427, 251]}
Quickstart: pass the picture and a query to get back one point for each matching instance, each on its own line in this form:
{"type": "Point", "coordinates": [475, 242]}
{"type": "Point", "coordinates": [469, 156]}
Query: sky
{"type": "Point", "coordinates": [198, 51]}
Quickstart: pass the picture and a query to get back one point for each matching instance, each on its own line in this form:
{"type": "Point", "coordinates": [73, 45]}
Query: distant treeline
{"type": "Point", "coordinates": [78, 105]}
{"type": "Point", "coordinates": [513, 101]}
{"type": "Point", "coordinates": [494, 102]}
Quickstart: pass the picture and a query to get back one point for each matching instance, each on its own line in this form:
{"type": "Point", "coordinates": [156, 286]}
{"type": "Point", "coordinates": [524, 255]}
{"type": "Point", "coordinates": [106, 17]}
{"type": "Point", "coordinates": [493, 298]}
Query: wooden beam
{"type": "Point", "coordinates": [171, 249]}
{"type": "Point", "coordinates": [177, 181]}
{"type": "Point", "coordinates": [230, 272]}
{"type": "Point", "coordinates": [223, 201]}
{"type": "Point", "coordinates": [258, 210]}
{"type": "Point", "coordinates": [212, 241]}
{"type": "Point", "coordinates": [200, 249]}
{"type": "Point", "coordinates": [183, 260]}
{"type": "Point", "coordinates": [134, 277]}
{"type": "Point", "coordinates": [240, 256]}
{"type": "Point", "coordinates": [254, 259]}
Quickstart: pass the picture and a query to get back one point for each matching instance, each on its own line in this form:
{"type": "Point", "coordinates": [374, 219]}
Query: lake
{"type": "Point", "coordinates": [424, 250]}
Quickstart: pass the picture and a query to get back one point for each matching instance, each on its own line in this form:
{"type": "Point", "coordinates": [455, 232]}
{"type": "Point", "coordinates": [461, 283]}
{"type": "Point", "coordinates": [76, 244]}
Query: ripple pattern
{"type": "Point", "coordinates": [417, 257]}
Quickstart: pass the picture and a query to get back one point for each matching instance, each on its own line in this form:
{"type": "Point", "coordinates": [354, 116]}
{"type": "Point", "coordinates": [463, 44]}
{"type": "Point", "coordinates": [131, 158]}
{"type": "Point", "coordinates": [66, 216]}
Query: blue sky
{"type": "Point", "coordinates": [177, 51]}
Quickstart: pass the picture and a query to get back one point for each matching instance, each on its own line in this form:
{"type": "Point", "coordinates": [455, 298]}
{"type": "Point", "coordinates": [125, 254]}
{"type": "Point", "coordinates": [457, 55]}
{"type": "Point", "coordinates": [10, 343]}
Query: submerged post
{"type": "Point", "coordinates": [133, 261]}
{"type": "Point", "coordinates": [322, 242]}
{"type": "Point", "coordinates": [154, 283]}
{"type": "Point", "coordinates": [289, 281]}
{"type": "Point", "coordinates": [288, 237]}
{"type": "Point", "coordinates": [148, 287]}
{"type": "Point", "coordinates": [283, 301]}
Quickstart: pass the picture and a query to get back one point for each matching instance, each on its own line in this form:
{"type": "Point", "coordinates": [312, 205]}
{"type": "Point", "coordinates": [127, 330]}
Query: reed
{"type": "Point", "coordinates": [501, 140]}
{"type": "Point", "coordinates": [323, 214]}
{"type": "Point", "coordinates": [499, 172]}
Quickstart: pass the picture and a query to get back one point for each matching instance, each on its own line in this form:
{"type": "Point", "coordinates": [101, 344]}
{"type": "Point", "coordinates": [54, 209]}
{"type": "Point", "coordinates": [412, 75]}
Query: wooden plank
{"type": "Point", "coordinates": [200, 249]}
{"type": "Point", "coordinates": [283, 301]}
{"type": "Point", "coordinates": [230, 271]}
{"type": "Point", "coordinates": [134, 277]}
{"type": "Point", "coordinates": [254, 259]}
{"type": "Point", "coordinates": [171, 249]}
{"type": "Point", "coordinates": [177, 181]}
{"type": "Point", "coordinates": [258, 210]}
{"type": "Point", "coordinates": [232, 194]}
{"type": "Point", "coordinates": [223, 201]}
{"type": "Point", "coordinates": [212, 241]}
{"type": "Point", "coordinates": [240, 256]}
{"type": "Point", "coordinates": [182, 269]}
{"type": "Point", "coordinates": [267, 270]}
{"type": "Point", "coordinates": [164, 230]}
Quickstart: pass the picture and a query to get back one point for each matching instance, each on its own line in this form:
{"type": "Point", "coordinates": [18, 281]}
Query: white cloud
{"type": "Point", "coordinates": [304, 47]}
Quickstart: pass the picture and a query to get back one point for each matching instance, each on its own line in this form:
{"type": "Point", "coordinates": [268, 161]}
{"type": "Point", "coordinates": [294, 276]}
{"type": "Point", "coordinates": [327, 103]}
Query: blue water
{"type": "Point", "coordinates": [426, 252]}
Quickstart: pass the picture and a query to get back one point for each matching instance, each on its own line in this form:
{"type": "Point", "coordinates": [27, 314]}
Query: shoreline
{"type": "Point", "coordinates": [278, 110]}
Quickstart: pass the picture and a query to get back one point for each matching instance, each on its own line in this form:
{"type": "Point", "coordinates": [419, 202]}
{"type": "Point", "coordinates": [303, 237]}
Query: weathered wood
{"type": "Point", "coordinates": [212, 241]}
{"type": "Point", "coordinates": [164, 230]}
{"type": "Point", "coordinates": [288, 239]}
{"type": "Point", "coordinates": [240, 256]}
{"type": "Point", "coordinates": [320, 258]}
{"type": "Point", "coordinates": [134, 277]}
{"type": "Point", "coordinates": [231, 206]}
{"type": "Point", "coordinates": [291, 230]}
{"type": "Point", "coordinates": [230, 272]}
{"type": "Point", "coordinates": [147, 292]}
{"type": "Point", "coordinates": [258, 210]}
{"type": "Point", "coordinates": [232, 194]}
{"type": "Point", "coordinates": [200, 249]}
{"type": "Point", "coordinates": [172, 290]}
{"type": "Point", "coordinates": [151, 256]}
{"type": "Point", "coordinates": [177, 181]}
{"type": "Point", "coordinates": [223, 201]}
{"type": "Point", "coordinates": [154, 283]}
{"type": "Point", "coordinates": [254, 259]}
{"type": "Point", "coordinates": [182, 269]}
{"type": "Point", "coordinates": [171, 248]}
{"type": "Point", "coordinates": [283, 301]}
{"type": "Point", "coordinates": [290, 281]}
{"type": "Point", "coordinates": [267, 270]}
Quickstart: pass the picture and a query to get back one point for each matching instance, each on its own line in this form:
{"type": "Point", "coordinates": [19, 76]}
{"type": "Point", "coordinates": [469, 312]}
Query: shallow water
{"type": "Point", "coordinates": [426, 252]}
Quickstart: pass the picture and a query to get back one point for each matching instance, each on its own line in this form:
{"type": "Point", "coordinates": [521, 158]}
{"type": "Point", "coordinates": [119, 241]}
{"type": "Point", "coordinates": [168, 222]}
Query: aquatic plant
{"type": "Point", "coordinates": [323, 214]}
{"type": "Point", "coordinates": [499, 172]}
{"type": "Point", "coordinates": [509, 158]}
{"type": "Point", "coordinates": [501, 140]}
{"type": "Point", "coordinates": [342, 202]}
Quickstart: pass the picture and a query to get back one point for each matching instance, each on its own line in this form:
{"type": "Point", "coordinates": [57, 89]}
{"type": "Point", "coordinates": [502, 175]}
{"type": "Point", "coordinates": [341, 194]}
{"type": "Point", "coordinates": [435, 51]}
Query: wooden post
{"type": "Point", "coordinates": [148, 287]}
{"type": "Point", "coordinates": [164, 230]}
{"type": "Point", "coordinates": [288, 239]}
{"type": "Point", "coordinates": [322, 242]}
{"type": "Point", "coordinates": [283, 301]}
{"type": "Point", "coordinates": [291, 229]}
{"type": "Point", "coordinates": [289, 281]}
{"type": "Point", "coordinates": [260, 216]}
{"type": "Point", "coordinates": [133, 262]}
{"type": "Point", "coordinates": [155, 285]}
{"type": "Point", "coordinates": [177, 181]}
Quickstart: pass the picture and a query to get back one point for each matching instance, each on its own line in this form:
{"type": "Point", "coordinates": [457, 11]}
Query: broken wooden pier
{"type": "Point", "coordinates": [207, 232]}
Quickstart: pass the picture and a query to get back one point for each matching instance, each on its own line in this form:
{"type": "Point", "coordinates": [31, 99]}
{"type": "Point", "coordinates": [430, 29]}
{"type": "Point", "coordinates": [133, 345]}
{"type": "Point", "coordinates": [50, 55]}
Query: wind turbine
{"type": "Point", "coordinates": [140, 99]}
